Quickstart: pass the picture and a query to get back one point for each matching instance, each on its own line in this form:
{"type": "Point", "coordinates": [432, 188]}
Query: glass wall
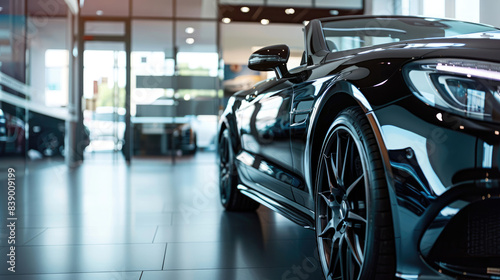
{"type": "Point", "coordinates": [34, 64]}
{"type": "Point", "coordinates": [175, 75]}
{"type": "Point", "coordinates": [468, 10]}
{"type": "Point", "coordinates": [13, 91]}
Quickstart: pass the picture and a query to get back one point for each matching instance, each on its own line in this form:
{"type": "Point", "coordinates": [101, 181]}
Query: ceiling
{"type": "Point", "coordinates": [151, 32]}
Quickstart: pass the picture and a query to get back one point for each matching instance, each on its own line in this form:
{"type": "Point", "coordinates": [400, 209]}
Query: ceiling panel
{"type": "Point", "coordinates": [196, 9]}
{"type": "Point", "coordinates": [204, 36]}
{"type": "Point", "coordinates": [152, 8]}
{"type": "Point", "coordinates": [152, 35]}
{"type": "Point", "coordinates": [108, 8]}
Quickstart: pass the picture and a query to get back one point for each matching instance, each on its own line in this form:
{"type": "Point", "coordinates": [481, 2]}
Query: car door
{"type": "Point", "coordinates": [264, 125]}
{"type": "Point", "coordinates": [304, 97]}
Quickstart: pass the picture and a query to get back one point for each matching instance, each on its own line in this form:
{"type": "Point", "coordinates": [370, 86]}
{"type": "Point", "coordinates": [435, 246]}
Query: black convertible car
{"type": "Point", "coordinates": [385, 141]}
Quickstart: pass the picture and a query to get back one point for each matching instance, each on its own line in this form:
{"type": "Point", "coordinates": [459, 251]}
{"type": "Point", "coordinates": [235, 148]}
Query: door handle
{"type": "Point", "coordinates": [250, 97]}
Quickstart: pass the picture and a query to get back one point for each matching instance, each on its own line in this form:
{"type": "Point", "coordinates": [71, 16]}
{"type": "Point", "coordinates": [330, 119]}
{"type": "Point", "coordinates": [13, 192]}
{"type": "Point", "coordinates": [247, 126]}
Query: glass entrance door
{"type": "Point", "coordinates": [104, 92]}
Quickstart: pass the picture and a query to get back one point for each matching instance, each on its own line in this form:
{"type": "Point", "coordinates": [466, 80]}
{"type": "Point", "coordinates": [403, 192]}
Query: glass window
{"type": "Point", "coordinates": [197, 59]}
{"type": "Point", "coordinates": [405, 7]}
{"type": "Point", "coordinates": [153, 35]}
{"type": "Point", "coordinates": [108, 8]}
{"type": "Point", "coordinates": [290, 3]}
{"type": "Point", "coordinates": [104, 28]}
{"type": "Point", "coordinates": [434, 8]}
{"type": "Point", "coordinates": [152, 8]}
{"type": "Point", "coordinates": [196, 9]}
{"type": "Point", "coordinates": [12, 49]}
{"type": "Point", "coordinates": [198, 64]}
{"type": "Point", "coordinates": [56, 78]}
{"type": "Point", "coordinates": [340, 4]}
{"type": "Point", "coordinates": [196, 36]}
{"type": "Point", "coordinates": [48, 63]}
{"type": "Point", "coordinates": [467, 10]}
{"type": "Point", "coordinates": [242, 2]}
{"type": "Point", "coordinates": [152, 63]}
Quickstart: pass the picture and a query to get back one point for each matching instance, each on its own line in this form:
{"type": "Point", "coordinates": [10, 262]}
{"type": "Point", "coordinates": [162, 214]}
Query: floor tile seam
{"type": "Point", "coordinates": [164, 256]}
{"type": "Point", "coordinates": [156, 232]}
{"type": "Point", "coordinates": [222, 241]}
{"type": "Point", "coordinates": [64, 273]}
{"type": "Point", "coordinates": [90, 244]}
{"type": "Point", "coordinates": [40, 233]}
{"type": "Point", "coordinates": [209, 269]}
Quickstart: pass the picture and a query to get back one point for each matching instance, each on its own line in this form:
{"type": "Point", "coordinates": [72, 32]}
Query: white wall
{"type": "Point", "coordinates": [379, 7]}
{"type": "Point", "coordinates": [489, 12]}
{"type": "Point", "coordinates": [484, 11]}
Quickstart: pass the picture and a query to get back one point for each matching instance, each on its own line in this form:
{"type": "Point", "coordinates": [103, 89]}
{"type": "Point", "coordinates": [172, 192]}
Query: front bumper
{"type": "Point", "coordinates": [445, 193]}
{"type": "Point", "coordinates": [456, 237]}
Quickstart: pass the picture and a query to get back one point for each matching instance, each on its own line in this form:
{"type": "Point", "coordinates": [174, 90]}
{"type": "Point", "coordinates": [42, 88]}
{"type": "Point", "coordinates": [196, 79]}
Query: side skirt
{"type": "Point", "coordinates": [292, 211]}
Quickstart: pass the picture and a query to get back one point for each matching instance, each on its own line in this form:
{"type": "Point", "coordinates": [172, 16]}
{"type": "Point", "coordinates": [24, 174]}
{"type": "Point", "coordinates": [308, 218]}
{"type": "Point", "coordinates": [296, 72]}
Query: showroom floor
{"type": "Point", "coordinates": [149, 220]}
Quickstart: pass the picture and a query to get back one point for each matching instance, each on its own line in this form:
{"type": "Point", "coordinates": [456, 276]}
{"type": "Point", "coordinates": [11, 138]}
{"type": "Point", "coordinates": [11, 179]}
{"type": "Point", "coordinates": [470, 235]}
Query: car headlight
{"type": "Point", "coordinates": [464, 87]}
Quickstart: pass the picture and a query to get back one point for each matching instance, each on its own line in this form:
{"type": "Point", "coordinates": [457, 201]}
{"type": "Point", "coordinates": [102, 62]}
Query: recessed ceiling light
{"type": "Point", "coordinates": [264, 21]}
{"type": "Point", "coordinates": [245, 9]}
{"type": "Point", "coordinates": [99, 12]}
{"type": "Point", "coordinates": [189, 30]}
{"type": "Point", "coordinates": [226, 20]}
{"type": "Point", "coordinates": [334, 12]}
{"type": "Point", "coordinates": [190, 41]}
{"type": "Point", "coordinates": [290, 11]}
{"type": "Point", "coordinates": [305, 22]}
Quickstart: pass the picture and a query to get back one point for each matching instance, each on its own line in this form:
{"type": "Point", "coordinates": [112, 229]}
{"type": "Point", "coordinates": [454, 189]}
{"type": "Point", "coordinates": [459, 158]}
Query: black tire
{"type": "Point", "coordinates": [354, 228]}
{"type": "Point", "coordinates": [231, 198]}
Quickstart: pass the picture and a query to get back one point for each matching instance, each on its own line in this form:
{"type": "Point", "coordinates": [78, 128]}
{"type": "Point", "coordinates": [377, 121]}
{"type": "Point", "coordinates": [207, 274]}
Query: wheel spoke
{"type": "Point", "coordinates": [354, 250]}
{"type": "Point", "coordinates": [337, 158]}
{"type": "Point", "coordinates": [353, 185]}
{"type": "Point", "coordinates": [333, 266]}
{"type": "Point", "coordinates": [329, 230]}
{"type": "Point", "coordinates": [355, 217]}
{"type": "Point", "coordinates": [348, 260]}
{"type": "Point", "coordinates": [342, 176]}
{"type": "Point", "coordinates": [342, 258]}
{"type": "Point", "coordinates": [359, 248]}
{"type": "Point", "coordinates": [330, 166]}
{"type": "Point", "coordinates": [329, 203]}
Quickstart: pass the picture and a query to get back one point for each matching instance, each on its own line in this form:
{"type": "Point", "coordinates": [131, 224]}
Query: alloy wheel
{"type": "Point", "coordinates": [341, 206]}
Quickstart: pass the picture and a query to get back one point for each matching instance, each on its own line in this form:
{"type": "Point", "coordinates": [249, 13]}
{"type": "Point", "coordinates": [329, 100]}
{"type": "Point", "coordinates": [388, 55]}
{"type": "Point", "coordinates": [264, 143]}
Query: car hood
{"type": "Point", "coordinates": [386, 59]}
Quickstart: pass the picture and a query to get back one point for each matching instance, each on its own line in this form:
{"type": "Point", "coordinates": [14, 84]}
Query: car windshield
{"type": "Point", "coordinates": [349, 34]}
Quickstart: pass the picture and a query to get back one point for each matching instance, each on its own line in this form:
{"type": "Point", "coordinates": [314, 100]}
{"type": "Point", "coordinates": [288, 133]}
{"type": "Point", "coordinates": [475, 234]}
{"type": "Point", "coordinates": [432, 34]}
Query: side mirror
{"type": "Point", "coordinates": [271, 58]}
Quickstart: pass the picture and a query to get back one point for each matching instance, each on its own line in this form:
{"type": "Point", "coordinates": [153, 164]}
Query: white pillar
{"type": "Point", "coordinates": [449, 8]}
{"type": "Point", "coordinates": [379, 7]}
{"type": "Point", "coordinates": [488, 12]}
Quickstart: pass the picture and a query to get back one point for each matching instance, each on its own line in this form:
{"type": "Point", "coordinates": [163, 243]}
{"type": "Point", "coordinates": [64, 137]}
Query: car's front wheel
{"type": "Point", "coordinates": [231, 198]}
{"type": "Point", "coordinates": [353, 218]}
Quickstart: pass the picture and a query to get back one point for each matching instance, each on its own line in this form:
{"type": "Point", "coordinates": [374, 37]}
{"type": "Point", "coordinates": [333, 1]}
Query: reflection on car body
{"type": "Point", "coordinates": [384, 141]}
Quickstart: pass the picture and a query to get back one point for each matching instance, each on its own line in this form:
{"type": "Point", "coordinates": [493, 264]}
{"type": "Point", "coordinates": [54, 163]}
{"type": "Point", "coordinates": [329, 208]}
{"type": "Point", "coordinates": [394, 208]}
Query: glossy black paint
{"type": "Point", "coordinates": [271, 58]}
{"type": "Point", "coordinates": [436, 163]}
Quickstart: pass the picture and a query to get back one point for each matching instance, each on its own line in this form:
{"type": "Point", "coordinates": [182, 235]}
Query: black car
{"type": "Point", "coordinates": [385, 141]}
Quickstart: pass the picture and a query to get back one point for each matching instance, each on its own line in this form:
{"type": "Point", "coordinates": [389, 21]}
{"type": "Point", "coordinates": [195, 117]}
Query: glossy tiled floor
{"type": "Point", "coordinates": [149, 220]}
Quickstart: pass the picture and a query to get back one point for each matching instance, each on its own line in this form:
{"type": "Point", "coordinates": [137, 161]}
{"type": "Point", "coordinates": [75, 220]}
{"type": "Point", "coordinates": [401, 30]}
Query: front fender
{"type": "Point", "coordinates": [338, 96]}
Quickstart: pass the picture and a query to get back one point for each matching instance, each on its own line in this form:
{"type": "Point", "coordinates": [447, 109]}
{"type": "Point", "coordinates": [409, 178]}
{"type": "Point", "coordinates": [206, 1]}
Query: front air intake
{"type": "Point", "coordinates": [470, 243]}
